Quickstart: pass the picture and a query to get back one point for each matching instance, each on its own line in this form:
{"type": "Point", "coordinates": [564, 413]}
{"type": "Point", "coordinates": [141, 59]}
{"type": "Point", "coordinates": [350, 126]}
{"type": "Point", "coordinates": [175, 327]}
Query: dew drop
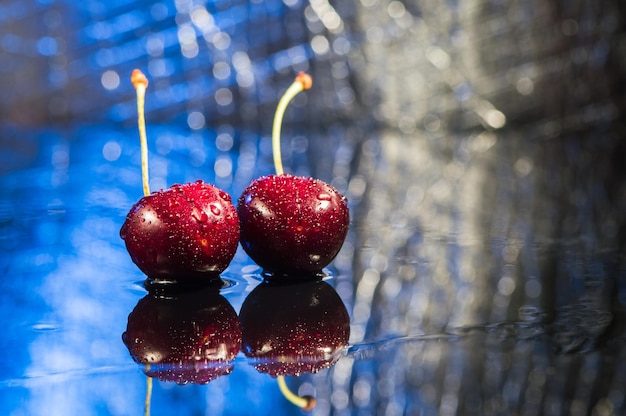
{"type": "Point", "coordinates": [215, 210]}
{"type": "Point", "coordinates": [200, 216]}
{"type": "Point", "coordinates": [324, 197]}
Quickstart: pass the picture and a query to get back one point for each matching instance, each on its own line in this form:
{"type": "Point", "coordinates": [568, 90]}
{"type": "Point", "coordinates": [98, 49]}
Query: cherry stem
{"type": "Point", "coordinates": [140, 82]}
{"type": "Point", "coordinates": [302, 82]}
{"type": "Point", "coordinates": [306, 403]}
{"type": "Point", "coordinates": [146, 405]}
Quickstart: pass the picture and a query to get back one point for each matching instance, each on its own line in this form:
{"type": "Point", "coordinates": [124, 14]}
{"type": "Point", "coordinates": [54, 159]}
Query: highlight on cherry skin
{"type": "Point", "coordinates": [186, 232]}
{"type": "Point", "coordinates": [291, 225]}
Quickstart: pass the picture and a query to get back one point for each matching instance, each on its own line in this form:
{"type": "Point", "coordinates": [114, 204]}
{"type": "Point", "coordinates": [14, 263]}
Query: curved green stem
{"type": "Point", "coordinates": [302, 82]}
{"type": "Point", "coordinates": [304, 402]}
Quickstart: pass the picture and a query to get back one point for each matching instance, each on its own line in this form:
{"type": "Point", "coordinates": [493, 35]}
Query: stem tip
{"type": "Point", "coordinates": [305, 79]}
{"type": "Point", "coordinates": [305, 403]}
{"type": "Point", "coordinates": [138, 78]}
{"type": "Point", "coordinates": [310, 403]}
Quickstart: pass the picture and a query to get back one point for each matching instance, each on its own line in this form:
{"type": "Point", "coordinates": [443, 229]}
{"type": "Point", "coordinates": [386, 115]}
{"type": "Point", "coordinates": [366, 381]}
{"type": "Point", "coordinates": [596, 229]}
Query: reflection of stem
{"type": "Point", "coordinates": [146, 411]}
{"type": "Point", "coordinates": [302, 82]}
{"type": "Point", "coordinates": [306, 403]}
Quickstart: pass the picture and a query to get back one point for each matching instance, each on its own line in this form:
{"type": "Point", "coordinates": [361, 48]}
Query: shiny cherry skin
{"type": "Point", "coordinates": [185, 337]}
{"type": "Point", "coordinates": [185, 232]}
{"type": "Point", "coordinates": [292, 224]}
{"type": "Point", "coordinates": [293, 326]}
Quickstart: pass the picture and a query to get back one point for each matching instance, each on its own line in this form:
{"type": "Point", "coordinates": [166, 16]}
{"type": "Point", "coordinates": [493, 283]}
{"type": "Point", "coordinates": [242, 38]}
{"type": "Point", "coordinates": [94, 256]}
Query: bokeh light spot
{"type": "Point", "coordinates": [111, 151]}
{"type": "Point", "coordinates": [196, 120]}
{"type": "Point", "coordinates": [47, 46]}
{"type": "Point", "coordinates": [110, 80]}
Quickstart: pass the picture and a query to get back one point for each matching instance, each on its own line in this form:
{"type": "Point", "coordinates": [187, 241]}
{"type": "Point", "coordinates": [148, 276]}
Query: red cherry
{"type": "Point", "coordinates": [190, 337]}
{"type": "Point", "coordinates": [291, 224]}
{"type": "Point", "coordinates": [293, 327]}
{"type": "Point", "coordinates": [184, 232]}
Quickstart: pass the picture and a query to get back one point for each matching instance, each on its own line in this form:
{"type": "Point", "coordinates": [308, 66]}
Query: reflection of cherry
{"type": "Point", "coordinates": [290, 328]}
{"type": "Point", "coordinates": [186, 337]}
{"type": "Point", "coordinates": [189, 230]}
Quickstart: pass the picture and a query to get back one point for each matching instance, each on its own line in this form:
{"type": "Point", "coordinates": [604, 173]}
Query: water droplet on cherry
{"type": "Point", "coordinates": [324, 197]}
{"type": "Point", "coordinates": [201, 216]}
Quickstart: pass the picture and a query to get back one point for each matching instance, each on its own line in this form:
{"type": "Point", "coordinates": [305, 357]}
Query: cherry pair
{"type": "Point", "coordinates": [286, 224]}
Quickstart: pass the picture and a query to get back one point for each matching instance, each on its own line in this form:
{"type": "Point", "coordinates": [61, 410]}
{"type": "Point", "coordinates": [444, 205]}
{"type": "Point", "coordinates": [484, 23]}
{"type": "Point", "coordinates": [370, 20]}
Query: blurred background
{"type": "Point", "coordinates": [481, 146]}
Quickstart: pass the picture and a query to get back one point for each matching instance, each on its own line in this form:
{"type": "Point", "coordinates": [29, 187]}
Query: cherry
{"type": "Point", "coordinates": [293, 326]}
{"type": "Point", "coordinates": [291, 224]}
{"type": "Point", "coordinates": [185, 232]}
{"type": "Point", "coordinates": [187, 337]}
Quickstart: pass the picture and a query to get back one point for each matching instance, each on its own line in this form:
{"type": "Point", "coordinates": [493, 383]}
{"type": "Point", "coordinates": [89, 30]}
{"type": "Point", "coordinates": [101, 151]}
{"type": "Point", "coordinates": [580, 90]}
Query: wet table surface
{"type": "Point", "coordinates": [478, 310]}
